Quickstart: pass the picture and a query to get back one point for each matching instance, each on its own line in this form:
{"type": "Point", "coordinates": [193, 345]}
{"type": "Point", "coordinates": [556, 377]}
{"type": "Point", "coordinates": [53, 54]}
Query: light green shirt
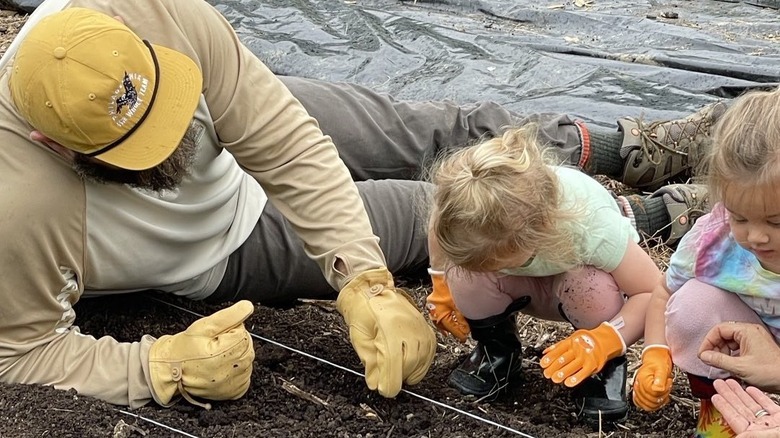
{"type": "Point", "coordinates": [602, 231]}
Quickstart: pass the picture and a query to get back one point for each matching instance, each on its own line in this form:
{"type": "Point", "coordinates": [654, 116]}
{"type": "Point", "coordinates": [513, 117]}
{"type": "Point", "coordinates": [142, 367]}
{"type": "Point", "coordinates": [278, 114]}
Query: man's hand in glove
{"type": "Point", "coordinates": [653, 380]}
{"type": "Point", "coordinates": [389, 334]}
{"type": "Point", "coordinates": [582, 354]}
{"type": "Point", "coordinates": [212, 359]}
{"type": "Point", "coordinates": [442, 310]}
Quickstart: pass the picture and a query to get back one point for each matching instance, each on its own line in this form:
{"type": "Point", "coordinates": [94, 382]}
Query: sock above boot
{"type": "Point", "coordinates": [605, 156]}
{"type": "Point", "coordinates": [651, 216]}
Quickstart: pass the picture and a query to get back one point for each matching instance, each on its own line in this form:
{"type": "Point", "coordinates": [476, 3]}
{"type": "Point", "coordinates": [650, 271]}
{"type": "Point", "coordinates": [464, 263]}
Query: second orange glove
{"type": "Point", "coordinates": [653, 380]}
{"type": "Point", "coordinates": [442, 310]}
{"type": "Point", "coordinates": [582, 354]}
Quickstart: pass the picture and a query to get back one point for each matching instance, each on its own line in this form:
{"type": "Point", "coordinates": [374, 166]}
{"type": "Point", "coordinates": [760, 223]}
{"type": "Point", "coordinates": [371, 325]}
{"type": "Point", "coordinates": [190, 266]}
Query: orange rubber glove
{"type": "Point", "coordinates": [582, 354]}
{"type": "Point", "coordinates": [653, 380]}
{"type": "Point", "coordinates": [442, 310]}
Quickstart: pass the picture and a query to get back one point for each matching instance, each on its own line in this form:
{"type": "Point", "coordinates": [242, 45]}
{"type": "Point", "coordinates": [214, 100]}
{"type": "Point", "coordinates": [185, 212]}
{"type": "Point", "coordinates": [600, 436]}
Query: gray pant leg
{"type": "Point", "coordinates": [379, 137]}
{"type": "Point", "coordinates": [272, 267]}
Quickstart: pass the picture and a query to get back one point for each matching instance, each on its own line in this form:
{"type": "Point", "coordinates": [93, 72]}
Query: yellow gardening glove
{"type": "Point", "coordinates": [582, 354]}
{"type": "Point", "coordinates": [442, 310]}
{"type": "Point", "coordinates": [212, 359]}
{"type": "Point", "coordinates": [390, 335]}
{"type": "Point", "coordinates": [653, 380]}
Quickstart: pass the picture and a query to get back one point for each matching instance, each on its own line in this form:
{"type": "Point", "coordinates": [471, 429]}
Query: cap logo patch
{"type": "Point", "coordinates": [128, 97]}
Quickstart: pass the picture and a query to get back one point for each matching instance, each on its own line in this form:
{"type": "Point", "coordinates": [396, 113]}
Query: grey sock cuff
{"type": "Point", "coordinates": [605, 156]}
{"type": "Point", "coordinates": [651, 216]}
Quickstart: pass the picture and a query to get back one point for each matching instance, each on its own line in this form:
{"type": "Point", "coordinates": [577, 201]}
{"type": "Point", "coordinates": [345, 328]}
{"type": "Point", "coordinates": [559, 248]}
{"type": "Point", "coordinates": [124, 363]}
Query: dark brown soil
{"type": "Point", "coordinates": [294, 395]}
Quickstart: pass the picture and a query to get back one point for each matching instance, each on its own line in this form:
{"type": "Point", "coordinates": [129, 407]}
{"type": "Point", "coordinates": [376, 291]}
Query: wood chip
{"type": "Point", "coordinates": [294, 390]}
{"type": "Point", "coordinates": [370, 413]}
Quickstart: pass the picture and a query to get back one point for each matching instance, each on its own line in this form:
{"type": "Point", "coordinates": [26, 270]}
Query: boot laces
{"type": "Point", "coordinates": [652, 147]}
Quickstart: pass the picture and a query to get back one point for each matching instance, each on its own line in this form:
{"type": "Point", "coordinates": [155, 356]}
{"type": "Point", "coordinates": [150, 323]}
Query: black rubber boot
{"type": "Point", "coordinates": [497, 357]}
{"type": "Point", "coordinates": [603, 397]}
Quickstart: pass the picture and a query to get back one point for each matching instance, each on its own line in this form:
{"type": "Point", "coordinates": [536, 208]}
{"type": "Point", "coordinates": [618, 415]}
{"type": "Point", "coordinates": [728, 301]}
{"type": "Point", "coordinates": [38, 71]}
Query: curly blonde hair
{"type": "Point", "coordinates": [499, 198]}
{"type": "Point", "coordinates": [746, 144]}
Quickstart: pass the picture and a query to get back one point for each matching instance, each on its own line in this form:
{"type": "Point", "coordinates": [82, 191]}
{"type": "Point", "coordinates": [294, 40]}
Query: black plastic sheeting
{"type": "Point", "coordinates": [598, 62]}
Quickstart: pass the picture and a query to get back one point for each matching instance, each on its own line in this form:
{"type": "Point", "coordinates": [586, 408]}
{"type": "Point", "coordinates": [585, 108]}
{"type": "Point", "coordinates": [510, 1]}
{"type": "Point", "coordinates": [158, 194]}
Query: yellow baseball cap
{"type": "Point", "coordinates": [86, 81]}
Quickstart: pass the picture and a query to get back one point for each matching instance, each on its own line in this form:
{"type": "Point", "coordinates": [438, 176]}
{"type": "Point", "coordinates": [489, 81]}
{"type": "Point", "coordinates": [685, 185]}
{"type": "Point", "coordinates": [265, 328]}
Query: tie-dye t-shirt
{"type": "Point", "coordinates": [709, 253]}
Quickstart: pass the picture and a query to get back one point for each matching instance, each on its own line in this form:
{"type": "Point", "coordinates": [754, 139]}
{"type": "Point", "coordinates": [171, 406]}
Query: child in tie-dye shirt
{"type": "Point", "coordinates": [727, 268]}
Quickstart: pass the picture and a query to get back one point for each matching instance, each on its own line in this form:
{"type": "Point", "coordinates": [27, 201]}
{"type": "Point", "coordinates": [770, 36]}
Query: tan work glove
{"type": "Point", "coordinates": [442, 310]}
{"type": "Point", "coordinates": [212, 359]}
{"type": "Point", "coordinates": [653, 380]}
{"type": "Point", "coordinates": [390, 335]}
{"type": "Point", "coordinates": [582, 354]}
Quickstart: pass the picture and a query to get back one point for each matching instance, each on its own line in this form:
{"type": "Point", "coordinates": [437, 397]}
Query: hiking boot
{"type": "Point", "coordinates": [664, 151]}
{"type": "Point", "coordinates": [685, 203]}
{"type": "Point", "coordinates": [602, 397]}
{"type": "Point", "coordinates": [496, 359]}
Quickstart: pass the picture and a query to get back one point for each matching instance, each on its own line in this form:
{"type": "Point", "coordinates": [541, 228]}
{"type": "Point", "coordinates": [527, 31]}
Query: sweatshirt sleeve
{"type": "Point", "coordinates": [42, 270]}
{"type": "Point", "coordinates": [701, 250]}
{"type": "Point", "coordinates": [274, 139]}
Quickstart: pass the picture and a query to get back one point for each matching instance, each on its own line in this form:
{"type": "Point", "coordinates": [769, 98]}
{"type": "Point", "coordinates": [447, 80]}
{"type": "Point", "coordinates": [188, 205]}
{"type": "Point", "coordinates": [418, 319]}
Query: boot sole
{"type": "Point", "coordinates": [606, 416]}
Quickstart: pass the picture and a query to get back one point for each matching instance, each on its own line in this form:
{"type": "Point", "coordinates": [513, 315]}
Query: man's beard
{"type": "Point", "coordinates": [165, 176]}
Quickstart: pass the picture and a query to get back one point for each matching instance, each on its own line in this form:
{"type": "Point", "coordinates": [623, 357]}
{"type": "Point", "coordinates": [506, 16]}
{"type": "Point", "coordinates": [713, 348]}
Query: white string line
{"type": "Point", "coordinates": [157, 423]}
{"type": "Point", "coordinates": [311, 356]}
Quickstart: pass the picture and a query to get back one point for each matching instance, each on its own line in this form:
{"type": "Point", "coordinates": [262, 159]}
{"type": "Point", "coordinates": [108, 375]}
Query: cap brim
{"type": "Point", "coordinates": [178, 92]}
